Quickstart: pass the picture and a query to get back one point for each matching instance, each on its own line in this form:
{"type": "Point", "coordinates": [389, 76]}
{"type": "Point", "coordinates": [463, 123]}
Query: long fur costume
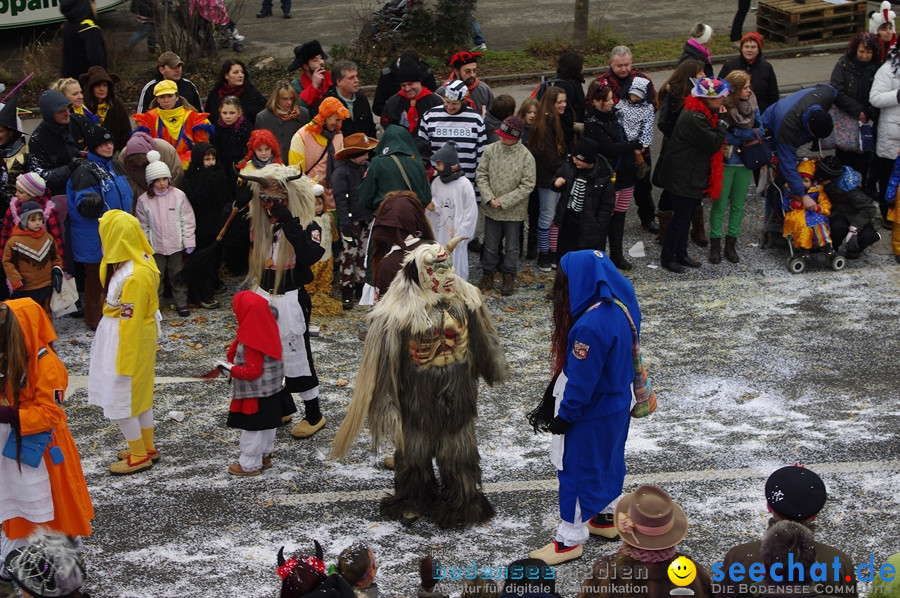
{"type": "Point", "coordinates": [430, 338]}
{"type": "Point", "coordinates": [301, 202]}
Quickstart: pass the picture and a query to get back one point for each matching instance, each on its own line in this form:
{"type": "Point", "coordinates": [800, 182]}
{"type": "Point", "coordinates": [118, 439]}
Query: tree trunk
{"type": "Point", "coordinates": [580, 29]}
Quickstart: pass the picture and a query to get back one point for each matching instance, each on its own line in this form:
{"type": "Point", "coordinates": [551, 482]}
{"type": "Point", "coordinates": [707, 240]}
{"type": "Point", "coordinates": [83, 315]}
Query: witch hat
{"type": "Point", "coordinates": [8, 113]}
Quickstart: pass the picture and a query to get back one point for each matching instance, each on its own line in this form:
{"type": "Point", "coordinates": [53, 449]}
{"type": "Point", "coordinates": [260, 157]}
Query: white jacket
{"type": "Point", "coordinates": [167, 220]}
{"type": "Point", "coordinates": [883, 96]}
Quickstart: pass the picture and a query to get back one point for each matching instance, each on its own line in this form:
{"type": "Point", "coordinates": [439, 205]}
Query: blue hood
{"type": "Point", "coordinates": [592, 278]}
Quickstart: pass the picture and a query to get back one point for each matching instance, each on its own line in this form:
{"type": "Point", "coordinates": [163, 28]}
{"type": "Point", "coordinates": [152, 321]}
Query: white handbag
{"type": "Point", "coordinates": [64, 302]}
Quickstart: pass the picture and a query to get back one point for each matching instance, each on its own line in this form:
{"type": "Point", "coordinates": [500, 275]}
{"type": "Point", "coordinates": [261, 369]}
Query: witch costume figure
{"type": "Point", "coordinates": [596, 330]}
{"type": "Point", "coordinates": [285, 244]}
{"type": "Point", "coordinates": [430, 339]}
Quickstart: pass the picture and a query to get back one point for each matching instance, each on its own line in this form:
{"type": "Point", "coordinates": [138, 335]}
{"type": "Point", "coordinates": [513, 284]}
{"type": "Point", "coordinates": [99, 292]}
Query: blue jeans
{"type": "Point", "coordinates": [147, 30]}
{"type": "Point", "coordinates": [285, 6]}
{"type": "Point", "coordinates": [477, 35]}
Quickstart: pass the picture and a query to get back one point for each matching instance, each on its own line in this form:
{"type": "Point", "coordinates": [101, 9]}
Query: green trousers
{"type": "Point", "coordinates": [735, 183]}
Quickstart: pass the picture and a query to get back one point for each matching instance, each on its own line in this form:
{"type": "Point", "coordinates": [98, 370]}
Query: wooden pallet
{"type": "Point", "coordinates": [812, 22]}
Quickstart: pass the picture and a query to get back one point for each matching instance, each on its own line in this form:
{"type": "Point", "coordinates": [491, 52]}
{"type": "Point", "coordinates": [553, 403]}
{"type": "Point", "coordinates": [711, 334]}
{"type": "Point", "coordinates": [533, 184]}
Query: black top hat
{"type": "Point", "coordinates": [306, 52]}
{"type": "Point", "coordinates": [8, 112]}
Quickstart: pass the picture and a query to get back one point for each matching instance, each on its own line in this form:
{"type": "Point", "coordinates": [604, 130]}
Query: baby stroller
{"type": "Point", "coordinates": [780, 228]}
{"type": "Point", "coordinates": [217, 29]}
{"type": "Point", "coordinates": [386, 23]}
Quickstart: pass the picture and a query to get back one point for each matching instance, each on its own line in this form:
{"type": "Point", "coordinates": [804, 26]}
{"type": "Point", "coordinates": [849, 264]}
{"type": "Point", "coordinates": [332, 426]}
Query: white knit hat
{"type": "Point", "coordinates": [156, 168]}
{"type": "Point", "coordinates": [884, 15]}
{"type": "Point", "coordinates": [702, 33]}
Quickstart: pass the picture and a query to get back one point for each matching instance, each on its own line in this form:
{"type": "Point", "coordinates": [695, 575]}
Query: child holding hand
{"type": "Point", "coordinates": [255, 366]}
{"type": "Point", "coordinates": [167, 220]}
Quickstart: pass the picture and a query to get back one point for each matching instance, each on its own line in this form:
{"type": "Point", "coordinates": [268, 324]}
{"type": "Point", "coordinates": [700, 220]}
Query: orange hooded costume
{"type": "Point", "coordinates": [50, 495]}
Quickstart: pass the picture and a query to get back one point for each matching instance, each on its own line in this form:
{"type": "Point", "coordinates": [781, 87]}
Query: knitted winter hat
{"type": "Point", "coordinates": [795, 493]}
{"type": "Point", "coordinates": [32, 183]}
{"type": "Point", "coordinates": [48, 567]}
{"type": "Point", "coordinates": [701, 33]}
{"type": "Point", "coordinates": [27, 209]}
{"type": "Point", "coordinates": [139, 143]}
{"type": "Point", "coordinates": [456, 90]}
{"type": "Point", "coordinates": [156, 169]}
{"type": "Point", "coordinates": [820, 124]}
{"type": "Point", "coordinates": [97, 136]}
{"type": "Point", "coordinates": [585, 150]}
{"type": "Point", "coordinates": [447, 154]}
{"type": "Point", "coordinates": [884, 15]}
{"type": "Point", "coordinates": [408, 70]}
{"type": "Point", "coordinates": [829, 168]}
{"type": "Point", "coordinates": [753, 36]}
{"type": "Point", "coordinates": [512, 127]}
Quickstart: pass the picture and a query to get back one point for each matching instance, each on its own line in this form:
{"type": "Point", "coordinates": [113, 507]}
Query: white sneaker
{"type": "Point", "coordinates": [480, 48]}
{"type": "Point", "coordinates": [237, 36]}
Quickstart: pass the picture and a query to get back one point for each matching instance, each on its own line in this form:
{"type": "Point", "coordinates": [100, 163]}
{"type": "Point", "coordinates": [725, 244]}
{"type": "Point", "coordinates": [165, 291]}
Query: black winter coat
{"type": "Point", "coordinates": [762, 78]}
{"type": "Point", "coordinates": [362, 121]}
{"type": "Point", "coordinates": [51, 149]}
{"type": "Point", "coordinates": [853, 80]}
{"type": "Point", "coordinates": [684, 168]}
{"type": "Point", "coordinates": [252, 103]}
{"type": "Point", "coordinates": [231, 145]}
{"type": "Point", "coordinates": [208, 192]}
{"type": "Point", "coordinates": [388, 85]}
{"type": "Point", "coordinates": [597, 209]}
{"type": "Point", "coordinates": [345, 182]}
{"type": "Point", "coordinates": [83, 45]}
{"type": "Point", "coordinates": [689, 51]}
{"type": "Point", "coordinates": [604, 128]}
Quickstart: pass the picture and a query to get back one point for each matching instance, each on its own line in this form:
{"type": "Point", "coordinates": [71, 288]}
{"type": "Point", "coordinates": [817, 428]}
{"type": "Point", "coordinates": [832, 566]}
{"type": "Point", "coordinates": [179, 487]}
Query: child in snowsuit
{"type": "Point", "coordinates": [806, 226]}
{"type": "Point", "coordinates": [31, 259]}
{"type": "Point", "coordinates": [255, 366]}
{"type": "Point", "coordinates": [167, 220]}
{"type": "Point", "coordinates": [453, 211]}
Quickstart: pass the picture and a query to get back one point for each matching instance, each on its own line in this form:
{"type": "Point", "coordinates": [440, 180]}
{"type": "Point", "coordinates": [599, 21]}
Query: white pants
{"type": "Point", "coordinates": [571, 534]}
{"type": "Point", "coordinates": [255, 444]}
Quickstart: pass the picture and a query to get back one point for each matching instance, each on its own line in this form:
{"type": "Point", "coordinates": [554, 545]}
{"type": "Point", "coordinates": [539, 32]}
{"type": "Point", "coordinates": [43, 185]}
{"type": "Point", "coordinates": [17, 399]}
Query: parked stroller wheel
{"type": "Point", "coordinates": [838, 262]}
{"type": "Point", "coordinates": [796, 264]}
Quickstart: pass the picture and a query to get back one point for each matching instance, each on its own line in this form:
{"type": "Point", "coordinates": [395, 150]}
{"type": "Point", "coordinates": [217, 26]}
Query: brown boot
{"type": "Point", "coordinates": [698, 228]}
{"type": "Point", "coordinates": [663, 217]}
{"type": "Point", "coordinates": [730, 254]}
{"type": "Point", "coordinates": [487, 281]}
{"type": "Point", "coordinates": [509, 284]}
{"type": "Point", "coordinates": [715, 250]}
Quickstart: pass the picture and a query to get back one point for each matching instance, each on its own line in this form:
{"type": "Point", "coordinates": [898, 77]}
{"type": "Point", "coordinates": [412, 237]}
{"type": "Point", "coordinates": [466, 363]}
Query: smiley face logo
{"type": "Point", "coordinates": [682, 571]}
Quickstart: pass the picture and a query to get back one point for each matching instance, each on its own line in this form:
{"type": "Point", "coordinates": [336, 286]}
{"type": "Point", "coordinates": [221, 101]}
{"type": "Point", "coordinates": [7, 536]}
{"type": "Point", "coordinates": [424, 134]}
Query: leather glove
{"type": "Point", "coordinates": [56, 275]}
{"type": "Point", "coordinates": [558, 425]}
{"type": "Point", "coordinates": [280, 213]}
{"type": "Point", "coordinates": [851, 241]}
{"type": "Point", "coordinates": [224, 365]}
{"type": "Point", "coordinates": [91, 206]}
{"type": "Point", "coordinates": [189, 250]}
{"type": "Point", "coordinates": [8, 415]}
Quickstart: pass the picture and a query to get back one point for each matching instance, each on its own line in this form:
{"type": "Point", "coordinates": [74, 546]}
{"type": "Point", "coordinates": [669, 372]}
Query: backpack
{"type": "Point", "coordinates": [538, 92]}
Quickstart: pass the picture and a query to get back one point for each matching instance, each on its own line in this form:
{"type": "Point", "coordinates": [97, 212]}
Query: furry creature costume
{"type": "Point", "coordinates": [430, 338]}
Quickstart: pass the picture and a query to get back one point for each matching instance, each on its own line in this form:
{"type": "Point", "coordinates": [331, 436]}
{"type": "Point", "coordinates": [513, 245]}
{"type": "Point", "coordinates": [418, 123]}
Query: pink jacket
{"type": "Point", "coordinates": [167, 220]}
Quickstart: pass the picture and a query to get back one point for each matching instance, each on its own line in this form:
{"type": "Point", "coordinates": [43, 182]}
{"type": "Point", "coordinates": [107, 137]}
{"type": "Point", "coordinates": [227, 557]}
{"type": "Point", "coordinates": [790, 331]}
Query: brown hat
{"type": "Point", "coordinates": [169, 59]}
{"type": "Point", "coordinates": [356, 145]}
{"type": "Point", "coordinates": [649, 519]}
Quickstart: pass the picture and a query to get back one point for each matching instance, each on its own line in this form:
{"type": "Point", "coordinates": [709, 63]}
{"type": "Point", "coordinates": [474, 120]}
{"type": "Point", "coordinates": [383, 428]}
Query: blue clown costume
{"type": "Point", "coordinates": [593, 398]}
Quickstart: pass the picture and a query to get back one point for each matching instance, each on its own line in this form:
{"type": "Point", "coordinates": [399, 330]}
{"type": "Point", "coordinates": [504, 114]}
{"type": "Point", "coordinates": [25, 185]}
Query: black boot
{"type": "Point", "coordinates": [616, 235]}
{"type": "Point", "coordinates": [730, 254]}
{"type": "Point", "coordinates": [715, 250]}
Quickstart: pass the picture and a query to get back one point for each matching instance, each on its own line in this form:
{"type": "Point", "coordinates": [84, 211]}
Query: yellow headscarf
{"type": "Point", "coordinates": [122, 240]}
